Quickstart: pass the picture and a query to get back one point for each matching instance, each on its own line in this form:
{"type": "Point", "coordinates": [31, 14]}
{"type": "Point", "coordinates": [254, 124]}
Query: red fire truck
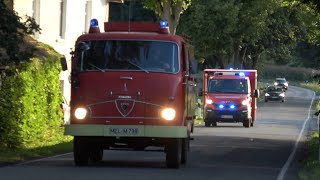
{"type": "Point", "coordinates": [132, 88]}
{"type": "Point", "coordinates": [229, 96]}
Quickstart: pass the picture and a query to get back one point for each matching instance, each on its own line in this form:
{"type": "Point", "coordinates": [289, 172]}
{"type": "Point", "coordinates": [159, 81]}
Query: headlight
{"type": "Point", "coordinates": [168, 114]}
{"type": "Point", "coordinates": [282, 94]}
{"type": "Point", "coordinates": [276, 84]}
{"type": "Point", "coordinates": [245, 102]}
{"type": "Point", "coordinates": [80, 113]}
{"type": "Point", "coordinates": [209, 101]}
{"type": "Point", "coordinates": [266, 94]}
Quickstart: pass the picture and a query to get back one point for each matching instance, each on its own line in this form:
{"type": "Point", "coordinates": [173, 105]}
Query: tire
{"type": "Point", "coordinates": [214, 124]}
{"type": "Point", "coordinates": [139, 148]}
{"type": "Point", "coordinates": [96, 154]}
{"type": "Point", "coordinates": [80, 151]}
{"type": "Point", "coordinates": [185, 150]}
{"type": "Point", "coordinates": [173, 154]}
{"type": "Point", "coordinates": [207, 124]}
{"type": "Point", "coordinates": [246, 123]}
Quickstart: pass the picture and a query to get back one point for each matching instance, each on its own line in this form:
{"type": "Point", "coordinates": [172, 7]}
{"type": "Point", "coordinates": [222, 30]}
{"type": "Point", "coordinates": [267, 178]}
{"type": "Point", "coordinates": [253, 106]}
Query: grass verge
{"type": "Point", "coordinates": [9, 156]}
{"type": "Point", "coordinates": [311, 169]}
{"type": "Point", "coordinates": [311, 164]}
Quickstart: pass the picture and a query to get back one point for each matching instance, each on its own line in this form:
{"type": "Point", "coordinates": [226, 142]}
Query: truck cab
{"type": "Point", "coordinates": [229, 96]}
{"type": "Point", "coordinates": [132, 87]}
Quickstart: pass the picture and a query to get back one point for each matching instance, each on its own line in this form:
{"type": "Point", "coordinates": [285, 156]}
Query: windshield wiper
{"type": "Point", "coordinates": [136, 65]}
{"type": "Point", "coordinates": [96, 67]}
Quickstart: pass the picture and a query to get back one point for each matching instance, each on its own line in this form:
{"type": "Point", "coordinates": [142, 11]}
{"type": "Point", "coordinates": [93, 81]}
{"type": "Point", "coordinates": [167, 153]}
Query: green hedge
{"type": "Point", "coordinates": [30, 97]}
{"type": "Point", "coordinates": [290, 73]}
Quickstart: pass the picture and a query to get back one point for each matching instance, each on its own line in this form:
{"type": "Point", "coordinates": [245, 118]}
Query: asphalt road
{"type": "Point", "coordinates": [272, 149]}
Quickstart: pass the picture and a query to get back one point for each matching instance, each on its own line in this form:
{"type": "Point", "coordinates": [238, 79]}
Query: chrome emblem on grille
{"type": "Point", "coordinates": [124, 106]}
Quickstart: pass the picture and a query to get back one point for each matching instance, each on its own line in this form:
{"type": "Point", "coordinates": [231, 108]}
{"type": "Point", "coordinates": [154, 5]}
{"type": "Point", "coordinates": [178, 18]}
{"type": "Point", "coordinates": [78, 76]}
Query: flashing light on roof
{"type": "Point", "coordinates": [164, 24]}
{"type": "Point", "coordinates": [232, 106]}
{"type": "Point", "coordinates": [94, 23]}
{"type": "Point", "coordinates": [241, 74]}
{"type": "Point", "coordinates": [230, 68]}
{"type": "Point", "coordinates": [221, 106]}
{"type": "Point", "coordinates": [94, 26]}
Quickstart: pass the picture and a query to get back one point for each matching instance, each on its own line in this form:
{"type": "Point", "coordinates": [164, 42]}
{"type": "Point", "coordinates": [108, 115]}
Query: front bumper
{"type": "Point", "coordinates": [274, 98]}
{"type": "Point", "coordinates": [126, 131]}
{"type": "Point", "coordinates": [226, 115]}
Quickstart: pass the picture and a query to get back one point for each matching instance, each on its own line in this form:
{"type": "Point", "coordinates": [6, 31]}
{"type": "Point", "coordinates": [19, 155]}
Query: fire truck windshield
{"type": "Point", "coordinates": [128, 55]}
{"type": "Point", "coordinates": [236, 86]}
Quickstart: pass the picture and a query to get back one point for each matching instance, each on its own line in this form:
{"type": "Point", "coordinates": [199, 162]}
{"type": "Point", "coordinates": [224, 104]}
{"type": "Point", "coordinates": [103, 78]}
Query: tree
{"type": "Point", "coordinates": [211, 26]}
{"type": "Point", "coordinates": [12, 33]}
{"type": "Point", "coordinates": [169, 10]}
{"type": "Point", "coordinates": [314, 4]}
{"type": "Point", "coordinates": [307, 50]}
{"type": "Point", "coordinates": [236, 32]}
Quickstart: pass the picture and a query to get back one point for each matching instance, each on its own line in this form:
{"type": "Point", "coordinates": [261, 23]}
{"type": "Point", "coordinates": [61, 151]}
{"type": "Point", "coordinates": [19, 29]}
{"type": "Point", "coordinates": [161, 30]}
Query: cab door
{"type": "Point", "coordinates": [190, 81]}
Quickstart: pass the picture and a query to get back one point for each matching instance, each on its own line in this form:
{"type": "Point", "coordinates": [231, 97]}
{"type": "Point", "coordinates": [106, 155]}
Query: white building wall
{"type": "Point", "coordinates": [74, 19]}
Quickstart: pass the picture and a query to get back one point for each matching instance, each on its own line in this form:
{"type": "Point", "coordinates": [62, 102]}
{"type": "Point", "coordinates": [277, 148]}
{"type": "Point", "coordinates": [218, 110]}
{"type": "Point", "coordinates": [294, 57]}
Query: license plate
{"type": "Point", "coordinates": [124, 131]}
{"type": "Point", "coordinates": [227, 116]}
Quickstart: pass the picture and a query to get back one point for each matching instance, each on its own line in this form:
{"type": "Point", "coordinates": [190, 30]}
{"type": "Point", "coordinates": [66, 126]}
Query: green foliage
{"type": "Point", "coordinates": [12, 32]}
{"type": "Point", "coordinates": [314, 86]}
{"type": "Point", "coordinates": [30, 98]}
{"type": "Point", "coordinates": [210, 24]}
{"type": "Point", "coordinates": [238, 32]}
{"type": "Point", "coordinates": [157, 5]}
{"type": "Point", "coordinates": [14, 155]}
{"type": "Point", "coordinates": [311, 169]}
{"type": "Point", "coordinates": [169, 10]}
{"type": "Point", "coordinates": [290, 73]}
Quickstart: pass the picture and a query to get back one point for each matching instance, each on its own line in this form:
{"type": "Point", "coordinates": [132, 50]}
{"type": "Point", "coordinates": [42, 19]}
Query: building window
{"type": "Point", "coordinates": [36, 14]}
{"type": "Point", "coordinates": [88, 15]}
{"type": "Point", "coordinates": [62, 25]}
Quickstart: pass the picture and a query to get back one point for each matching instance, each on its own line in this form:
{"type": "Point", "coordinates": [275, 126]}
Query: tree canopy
{"type": "Point", "coordinates": [12, 33]}
{"type": "Point", "coordinates": [238, 33]}
{"type": "Point", "coordinates": [169, 10]}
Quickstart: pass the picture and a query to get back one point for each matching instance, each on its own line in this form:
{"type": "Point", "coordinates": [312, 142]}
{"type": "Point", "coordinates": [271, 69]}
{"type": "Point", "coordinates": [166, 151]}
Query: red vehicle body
{"type": "Point", "coordinates": [229, 96]}
{"type": "Point", "coordinates": [122, 99]}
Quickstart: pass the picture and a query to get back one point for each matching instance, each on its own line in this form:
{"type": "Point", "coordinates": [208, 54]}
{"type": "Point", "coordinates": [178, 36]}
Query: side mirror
{"type": "Point", "coordinates": [193, 67]}
{"type": "Point", "coordinates": [82, 46]}
{"type": "Point", "coordinates": [200, 92]}
{"type": "Point", "coordinates": [256, 93]}
{"type": "Point", "coordinates": [64, 65]}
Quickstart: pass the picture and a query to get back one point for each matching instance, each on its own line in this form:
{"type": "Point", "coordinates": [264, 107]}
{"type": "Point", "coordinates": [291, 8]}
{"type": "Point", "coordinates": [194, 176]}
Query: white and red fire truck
{"type": "Point", "coordinates": [229, 96]}
{"type": "Point", "coordinates": [132, 88]}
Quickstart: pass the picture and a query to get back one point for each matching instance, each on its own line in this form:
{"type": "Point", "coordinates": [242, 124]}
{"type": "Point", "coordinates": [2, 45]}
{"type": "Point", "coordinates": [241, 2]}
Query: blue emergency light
{"type": "Point", "coordinates": [232, 106]}
{"type": "Point", "coordinates": [241, 74]}
{"type": "Point", "coordinates": [94, 23]}
{"type": "Point", "coordinates": [164, 24]}
{"type": "Point", "coordinates": [94, 26]}
{"type": "Point", "coordinates": [221, 106]}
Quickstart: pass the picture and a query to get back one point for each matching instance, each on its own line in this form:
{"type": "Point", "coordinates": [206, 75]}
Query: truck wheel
{"type": "Point", "coordinates": [214, 124]}
{"type": "Point", "coordinates": [173, 154]}
{"type": "Point", "coordinates": [96, 154]}
{"type": "Point", "coordinates": [246, 123]}
{"type": "Point", "coordinates": [80, 151]}
{"type": "Point", "coordinates": [185, 150]}
{"type": "Point", "coordinates": [207, 124]}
